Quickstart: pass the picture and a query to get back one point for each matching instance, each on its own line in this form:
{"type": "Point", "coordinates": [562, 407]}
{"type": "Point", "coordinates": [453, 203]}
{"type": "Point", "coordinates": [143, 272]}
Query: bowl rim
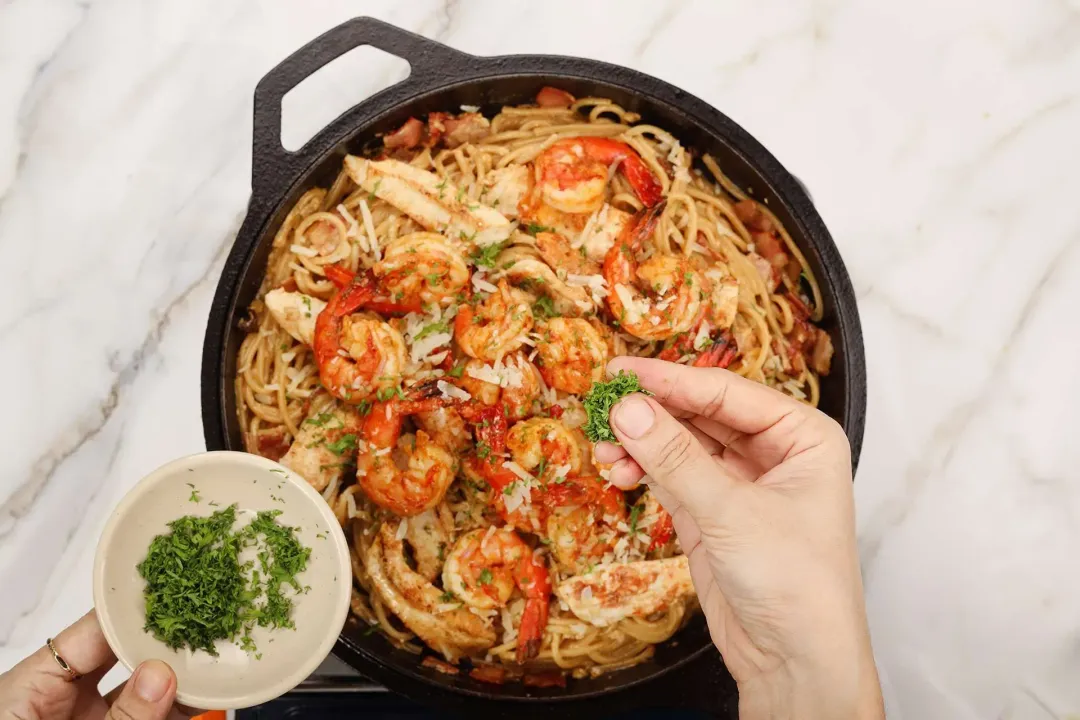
{"type": "Point", "coordinates": [147, 485]}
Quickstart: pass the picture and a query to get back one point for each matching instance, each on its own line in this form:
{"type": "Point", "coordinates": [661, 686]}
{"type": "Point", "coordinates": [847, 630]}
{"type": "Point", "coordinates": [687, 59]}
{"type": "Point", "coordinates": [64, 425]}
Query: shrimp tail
{"type": "Point", "coordinates": [662, 531]}
{"type": "Point", "coordinates": [491, 424]}
{"type": "Point", "coordinates": [642, 225]}
{"type": "Point", "coordinates": [720, 355]}
{"type": "Point", "coordinates": [340, 276]}
{"type": "Point", "coordinates": [535, 583]}
{"type": "Point", "coordinates": [531, 633]}
{"type": "Point", "coordinates": [362, 291]}
{"type": "Point", "coordinates": [642, 181]}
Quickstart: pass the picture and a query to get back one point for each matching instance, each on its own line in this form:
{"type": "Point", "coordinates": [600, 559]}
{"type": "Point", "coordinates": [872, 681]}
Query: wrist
{"type": "Point", "coordinates": [844, 688]}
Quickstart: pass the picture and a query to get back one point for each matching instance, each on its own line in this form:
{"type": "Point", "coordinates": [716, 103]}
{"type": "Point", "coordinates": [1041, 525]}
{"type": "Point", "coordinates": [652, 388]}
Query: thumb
{"type": "Point", "coordinates": [670, 454]}
{"type": "Point", "coordinates": [148, 695]}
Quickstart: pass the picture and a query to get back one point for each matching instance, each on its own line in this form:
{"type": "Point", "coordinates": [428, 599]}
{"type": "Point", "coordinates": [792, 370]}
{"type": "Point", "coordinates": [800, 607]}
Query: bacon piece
{"type": "Point", "coordinates": [407, 136]}
{"type": "Point", "coordinates": [550, 97]}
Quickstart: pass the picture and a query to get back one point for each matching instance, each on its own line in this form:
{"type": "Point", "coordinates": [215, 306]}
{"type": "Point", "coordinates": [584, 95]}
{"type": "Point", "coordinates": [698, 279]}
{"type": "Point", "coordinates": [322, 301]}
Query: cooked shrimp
{"type": "Point", "coordinates": [571, 354]}
{"type": "Point", "coordinates": [582, 523]}
{"type": "Point", "coordinates": [356, 355]}
{"type": "Point", "coordinates": [483, 568]}
{"type": "Point", "coordinates": [325, 444]}
{"type": "Point", "coordinates": [430, 535]}
{"type": "Point", "coordinates": [295, 312]}
{"type": "Point", "coordinates": [657, 298]}
{"type": "Point", "coordinates": [433, 202]}
{"type": "Point", "coordinates": [445, 426]}
{"type": "Point", "coordinates": [620, 590]}
{"type": "Point", "coordinates": [422, 265]}
{"type": "Point", "coordinates": [518, 389]}
{"type": "Point", "coordinates": [403, 477]}
{"type": "Point", "coordinates": [528, 517]}
{"type": "Point", "coordinates": [453, 631]}
{"type": "Point", "coordinates": [546, 447]}
{"type": "Point", "coordinates": [497, 326]}
{"type": "Point", "coordinates": [572, 174]}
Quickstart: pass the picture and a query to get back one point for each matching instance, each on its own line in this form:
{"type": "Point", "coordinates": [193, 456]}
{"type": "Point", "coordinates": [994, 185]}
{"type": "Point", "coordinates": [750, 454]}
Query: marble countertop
{"type": "Point", "coordinates": [939, 140]}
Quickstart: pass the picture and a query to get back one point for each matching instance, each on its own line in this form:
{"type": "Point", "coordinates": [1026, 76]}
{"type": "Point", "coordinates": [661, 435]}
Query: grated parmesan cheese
{"type": "Point", "coordinates": [369, 228]}
{"type": "Point", "coordinates": [635, 309]}
{"type": "Point", "coordinates": [403, 526]}
{"type": "Point", "coordinates": [586, 593]}
{"type": "Point", "coordinates": [481, 284]}
{"type": "Point", "coordinates": [304, 251]}
{"type": "Point", "coordinates": [452, 392]}
{"type": "Point", "coordinates": [702, 336]}
{"type": "Point", "coordinates": [470, 108]}
{"type": "Point", "coordinates": [505, 376]}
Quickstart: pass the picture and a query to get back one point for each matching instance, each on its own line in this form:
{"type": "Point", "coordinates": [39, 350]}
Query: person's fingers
{"type": "Point", "coordinates": [81, 644]}
{"type": "Point", "coordinates": [178, 712]}
{"type": "Point", "coordinates": [670, 454]}
{"type": "Point", "coordinates": [732, 454]}
{"type": "Point", "coordinates": [608, 452]}
{"type": "Point", "coordinates": [626, 474]}
{"type": "Point", "coordinates": [148, 695]}
{"type": "Point", "coordinates": [781, 423]}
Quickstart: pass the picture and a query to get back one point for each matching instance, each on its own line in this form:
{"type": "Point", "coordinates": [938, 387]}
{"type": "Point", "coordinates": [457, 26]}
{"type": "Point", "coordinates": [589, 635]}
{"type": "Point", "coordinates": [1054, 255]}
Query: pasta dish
{"type": "Point", "coordinates": [422, 339]}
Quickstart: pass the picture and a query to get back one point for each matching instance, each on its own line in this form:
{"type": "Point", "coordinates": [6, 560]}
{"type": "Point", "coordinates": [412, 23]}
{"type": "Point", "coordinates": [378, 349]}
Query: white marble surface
{"type": "Point", "coordinates": [940, 141]}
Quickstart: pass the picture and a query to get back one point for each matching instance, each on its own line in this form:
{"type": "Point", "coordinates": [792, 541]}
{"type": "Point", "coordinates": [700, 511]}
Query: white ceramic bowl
{"type": "Point", "coordinates": [234, 679]}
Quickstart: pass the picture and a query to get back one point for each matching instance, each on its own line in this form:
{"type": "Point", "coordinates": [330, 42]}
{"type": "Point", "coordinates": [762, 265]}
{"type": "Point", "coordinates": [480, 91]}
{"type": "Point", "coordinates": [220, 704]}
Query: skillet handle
{"type": "Point", "coordinates": [272, 166]}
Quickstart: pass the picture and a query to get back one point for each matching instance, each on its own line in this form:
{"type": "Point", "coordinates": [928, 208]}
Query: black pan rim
{"type": "Point", "coordinates": [539, 68]}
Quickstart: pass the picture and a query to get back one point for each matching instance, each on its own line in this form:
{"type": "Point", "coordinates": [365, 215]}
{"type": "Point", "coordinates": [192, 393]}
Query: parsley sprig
{"type": "Point", "coordinates": [601, 397]}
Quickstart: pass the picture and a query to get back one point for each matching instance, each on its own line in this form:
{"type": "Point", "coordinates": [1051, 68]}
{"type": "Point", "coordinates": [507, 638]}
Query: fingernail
{"type": "Point", "coordinates": [633, 416]}
{"type": "Point", "coordinates": [152, 680]}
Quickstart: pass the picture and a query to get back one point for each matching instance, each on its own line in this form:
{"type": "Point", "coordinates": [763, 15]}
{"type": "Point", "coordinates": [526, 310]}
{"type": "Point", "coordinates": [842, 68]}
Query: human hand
{"type": "Point", "coordinates": [759, 489]}
{"type": "Point", "coordinates": [38, 688]}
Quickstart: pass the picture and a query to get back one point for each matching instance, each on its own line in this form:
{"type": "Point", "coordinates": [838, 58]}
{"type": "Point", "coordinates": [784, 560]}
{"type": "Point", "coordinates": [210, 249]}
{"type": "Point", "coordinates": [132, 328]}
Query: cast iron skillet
{"type": "Point", "coordinates": [443, 79]}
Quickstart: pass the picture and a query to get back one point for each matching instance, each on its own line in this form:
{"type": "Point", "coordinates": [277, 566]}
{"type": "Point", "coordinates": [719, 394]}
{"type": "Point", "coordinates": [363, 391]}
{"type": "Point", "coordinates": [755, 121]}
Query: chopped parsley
{"type": "Point", "coordinates": [460, 194]}
{"type": "Point", "coordinates": [601, 398]}
{"type": "Point", "coordinates": [533, 229]}
{"type": "Point", "coordinates": [195, 497]}
{"type": "Point", "coordinates": [635, 512]}
{"type": "Point", "coordinates": [342, 444]}
{"type": "Point", "coordinates": [456, 371]}
{"type": "Point", "coordinates": [485, 577]}
{"type": "Point", "coordinates": [483, 450]}
{"type": "Point", "coordinates": [197, 591]}
{"type": "Point", "coordinates": [448, 597]}
{"type": "Point", "coordinates": [544, 308]}
{"type": "Point", "coordinates": [541, 467]}
{"type": "Point", "coordinates": [430, 329]}
{"type": "Point", "coordinates": [485, 256]}
{"type": "Point", "coordinates": [385, 393]}
{"type": "Point", "coordinates": [375, 189]}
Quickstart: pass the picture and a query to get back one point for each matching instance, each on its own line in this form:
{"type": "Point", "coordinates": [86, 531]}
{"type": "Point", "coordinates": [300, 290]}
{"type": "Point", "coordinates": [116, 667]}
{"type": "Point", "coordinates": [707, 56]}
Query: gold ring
{"type": "Point", "coordinates": [61, 661]}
